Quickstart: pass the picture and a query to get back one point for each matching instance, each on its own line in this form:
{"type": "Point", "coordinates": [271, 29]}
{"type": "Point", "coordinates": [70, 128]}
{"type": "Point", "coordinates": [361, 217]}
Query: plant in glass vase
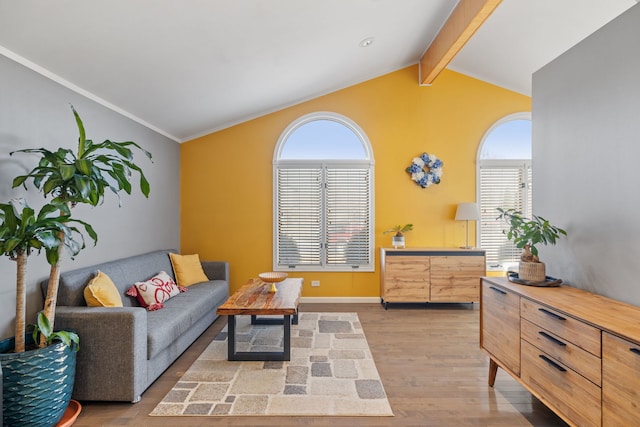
{"type": "Point", "coordinates": [526, 233]}
{"type": "Point", "coordinates": [398, 238]}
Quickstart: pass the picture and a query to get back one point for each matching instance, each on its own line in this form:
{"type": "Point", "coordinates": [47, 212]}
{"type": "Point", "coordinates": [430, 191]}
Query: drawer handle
{"type": "Point", "coordinates": [551, 362]}
{"type": "Point", "coordinates": [552, 338]}
{"type": "Point", "coordinates": [635, 351]}
{"type": "Point", "coordinates": [552, 314]}
{"type": "Point", "coordinates": [500, 291]}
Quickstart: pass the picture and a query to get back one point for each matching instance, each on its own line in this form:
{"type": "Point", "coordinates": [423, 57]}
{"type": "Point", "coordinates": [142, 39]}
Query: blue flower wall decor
{"type": "Point", "coordinates": [425, 170]}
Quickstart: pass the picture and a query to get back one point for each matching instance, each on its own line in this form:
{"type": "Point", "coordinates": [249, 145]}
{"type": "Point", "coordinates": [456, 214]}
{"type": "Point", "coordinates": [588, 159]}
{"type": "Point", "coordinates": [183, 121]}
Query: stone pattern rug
{"type": "Point", "coordinates": [331, 373]}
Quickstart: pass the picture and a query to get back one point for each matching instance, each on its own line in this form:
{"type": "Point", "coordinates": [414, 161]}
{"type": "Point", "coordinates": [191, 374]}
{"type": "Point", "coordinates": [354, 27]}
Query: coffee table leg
{"type": "Point", "coordinates": [233, 355]}
{"type": "Point", "coordinates": [231, 337]}
{"type": "Point", "coordinates": [287, 338]}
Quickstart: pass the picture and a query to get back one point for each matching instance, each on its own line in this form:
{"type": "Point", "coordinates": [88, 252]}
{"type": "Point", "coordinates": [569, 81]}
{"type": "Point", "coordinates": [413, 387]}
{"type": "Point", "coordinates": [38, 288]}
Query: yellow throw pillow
{"type": "Point", "coordinates": [102, 292]}
{"type": "Point", "coordinates": [187, 269]}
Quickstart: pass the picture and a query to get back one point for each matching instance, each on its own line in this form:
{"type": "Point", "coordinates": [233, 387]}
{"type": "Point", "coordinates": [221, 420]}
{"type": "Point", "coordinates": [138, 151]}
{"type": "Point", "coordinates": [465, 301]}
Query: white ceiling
{"type": "Point", "coordinates": [190, 67]}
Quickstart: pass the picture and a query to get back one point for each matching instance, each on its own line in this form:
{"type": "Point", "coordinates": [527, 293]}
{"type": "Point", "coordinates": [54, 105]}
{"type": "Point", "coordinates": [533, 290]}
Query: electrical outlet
{"type": "Point", "coordinates": [315, 283]}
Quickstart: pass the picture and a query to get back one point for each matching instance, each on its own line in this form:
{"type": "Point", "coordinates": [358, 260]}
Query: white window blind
{"type": "Point", "coordinates": [502, 185]}
{"type": "Point", "coordinates": [299, 204]}
{"type": "Point", "coordinates": [324, 218]}
{"type": "Point", "coordinates": [347, 213]}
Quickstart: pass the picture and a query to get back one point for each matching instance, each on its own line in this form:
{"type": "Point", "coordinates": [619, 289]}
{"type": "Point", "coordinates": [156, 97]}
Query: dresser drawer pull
{"type": "Point", "coordinates": [552, 338]}
{"type": "Point", "coordinates": [500, 291]}
{"type": "Point", "coordinates": [551, 362]}
{"type": "Point", "coordinates": [635, 351]}
{"type": "Point", "coordinates": [552, 314]}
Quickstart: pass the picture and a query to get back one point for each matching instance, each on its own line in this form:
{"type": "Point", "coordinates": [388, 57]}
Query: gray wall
{"type": "Point", "coordinates": [586, 159]}
{"type": "Point", "coordinates": [35, 112]}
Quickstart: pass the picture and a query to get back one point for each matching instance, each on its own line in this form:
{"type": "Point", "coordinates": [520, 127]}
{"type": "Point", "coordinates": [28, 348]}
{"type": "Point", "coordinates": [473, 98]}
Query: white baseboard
{"type": "Point", "coordinates": [341, 300]}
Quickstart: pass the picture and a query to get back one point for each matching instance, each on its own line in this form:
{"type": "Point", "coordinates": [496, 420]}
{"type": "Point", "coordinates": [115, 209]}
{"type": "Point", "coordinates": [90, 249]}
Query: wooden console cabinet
{"type": "Point", "coordinates": [431, 275]}
{"type": "Point", "coordinates": [579, 353]}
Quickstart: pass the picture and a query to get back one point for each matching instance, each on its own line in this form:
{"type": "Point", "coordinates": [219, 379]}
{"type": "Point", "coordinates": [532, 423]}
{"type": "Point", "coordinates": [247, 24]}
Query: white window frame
{"type": "Point", "coordinates": [526, 185]}
{"type": "Point", "coordinates": [325, 165]}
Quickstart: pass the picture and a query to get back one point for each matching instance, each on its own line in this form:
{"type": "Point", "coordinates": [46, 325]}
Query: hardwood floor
{"type": "Point", "coordinates": [429, 361]}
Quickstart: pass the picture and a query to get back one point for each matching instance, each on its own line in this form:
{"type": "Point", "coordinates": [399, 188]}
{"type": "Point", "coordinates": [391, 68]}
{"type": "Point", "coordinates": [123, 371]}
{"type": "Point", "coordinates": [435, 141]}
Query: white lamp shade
{"type": "Point", "coordinates": [467, 211]}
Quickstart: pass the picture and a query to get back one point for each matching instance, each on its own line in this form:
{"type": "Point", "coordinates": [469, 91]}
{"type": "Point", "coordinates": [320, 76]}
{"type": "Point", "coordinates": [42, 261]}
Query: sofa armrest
{"type": "Point", "coordinates": [216, 270]}
{"type": "Point", "coordinates": [112, 361]}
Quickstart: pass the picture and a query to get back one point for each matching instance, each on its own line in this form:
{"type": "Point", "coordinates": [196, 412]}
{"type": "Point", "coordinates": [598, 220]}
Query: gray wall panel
{"type": "Point", "coordinates": [586, 155]}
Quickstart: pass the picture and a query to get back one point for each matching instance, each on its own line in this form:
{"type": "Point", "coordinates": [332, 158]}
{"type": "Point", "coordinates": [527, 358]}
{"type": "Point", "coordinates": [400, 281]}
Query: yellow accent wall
{"type": "Point", "coordinates": [226, 177]}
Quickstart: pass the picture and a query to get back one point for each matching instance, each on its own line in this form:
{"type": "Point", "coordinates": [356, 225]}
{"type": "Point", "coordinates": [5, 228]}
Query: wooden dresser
{"type": "Point", "coordinates": [578, 352]}
{"type": "Point", "coordinates": [431, 275]}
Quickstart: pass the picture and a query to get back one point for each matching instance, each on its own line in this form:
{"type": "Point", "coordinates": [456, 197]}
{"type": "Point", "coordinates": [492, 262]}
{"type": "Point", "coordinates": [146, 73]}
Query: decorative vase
{"type": "Point", "coordinates": [397, 241]}
{"type": "Point", "coordinates": [37, 384]}
{"type": "Point", "coordinates": [532, 271]}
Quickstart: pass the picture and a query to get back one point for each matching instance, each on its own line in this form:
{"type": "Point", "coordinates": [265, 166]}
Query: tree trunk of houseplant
{"type": "Point", "coordinates": [52, 289]}
{"type": "Point", "coordinates": [21, 297]}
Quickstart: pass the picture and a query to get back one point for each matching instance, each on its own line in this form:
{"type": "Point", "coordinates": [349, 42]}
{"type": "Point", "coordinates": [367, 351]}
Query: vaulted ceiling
{"type": "Point", "coordinates": [186, 68]}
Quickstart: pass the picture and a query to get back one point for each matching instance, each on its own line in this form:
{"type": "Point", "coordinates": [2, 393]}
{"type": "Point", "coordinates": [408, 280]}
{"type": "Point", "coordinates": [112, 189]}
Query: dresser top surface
{"type": "Point", "coordinates": [605, 313]}
{"type": "Point", "coordinates": [432, 250]}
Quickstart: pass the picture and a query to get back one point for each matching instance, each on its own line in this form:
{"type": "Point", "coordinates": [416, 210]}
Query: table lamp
{"type": "Point", "coordinates": [467, 212]}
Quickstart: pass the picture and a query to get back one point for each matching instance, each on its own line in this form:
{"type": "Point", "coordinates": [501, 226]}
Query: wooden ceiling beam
{"type": "Point", "coordinates": [463, 22]}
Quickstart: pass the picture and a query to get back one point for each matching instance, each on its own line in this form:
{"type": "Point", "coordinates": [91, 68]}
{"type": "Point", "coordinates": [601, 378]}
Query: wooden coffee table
{"type": "Point", "coordinates": [254, 299]}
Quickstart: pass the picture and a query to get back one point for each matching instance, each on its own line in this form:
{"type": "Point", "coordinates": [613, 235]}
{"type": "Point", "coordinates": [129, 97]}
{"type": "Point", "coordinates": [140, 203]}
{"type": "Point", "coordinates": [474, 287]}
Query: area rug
{"type": "Point", "coordinates": [331, 373]}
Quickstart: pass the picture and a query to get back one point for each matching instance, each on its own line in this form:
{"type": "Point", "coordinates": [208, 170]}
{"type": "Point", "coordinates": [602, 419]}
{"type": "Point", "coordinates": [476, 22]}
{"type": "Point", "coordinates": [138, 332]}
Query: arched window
{"type": "Point", "coordinates": [323, 196]}
{"type": "Point", "coordinates": [504, 162]}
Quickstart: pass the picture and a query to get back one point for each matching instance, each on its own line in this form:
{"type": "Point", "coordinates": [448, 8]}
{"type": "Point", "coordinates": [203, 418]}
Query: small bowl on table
{"type": "Point", "coordinates": [273, 277]}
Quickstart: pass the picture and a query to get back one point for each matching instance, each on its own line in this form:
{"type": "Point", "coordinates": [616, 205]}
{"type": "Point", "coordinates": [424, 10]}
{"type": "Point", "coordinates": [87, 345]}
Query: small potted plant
{"type": "Point", "coordinates": [398, 238]}
{"type": "Point", "coordinates": [526, 234]}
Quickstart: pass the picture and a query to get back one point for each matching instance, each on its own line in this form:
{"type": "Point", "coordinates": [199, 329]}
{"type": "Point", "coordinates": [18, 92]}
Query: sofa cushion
{"type": "Point", "coordinates": [188, 269]}
{"type": "Point", "coordinates": [152, 293]}
{"type": "Point", "coordinates": [101, 292]}
{"type": "Point", "coordinates": [181, 312]}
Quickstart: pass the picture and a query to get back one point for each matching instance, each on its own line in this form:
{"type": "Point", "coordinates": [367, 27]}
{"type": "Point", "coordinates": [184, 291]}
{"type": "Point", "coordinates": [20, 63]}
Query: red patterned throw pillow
{"type": "Point", "coordinates": [153, 292]}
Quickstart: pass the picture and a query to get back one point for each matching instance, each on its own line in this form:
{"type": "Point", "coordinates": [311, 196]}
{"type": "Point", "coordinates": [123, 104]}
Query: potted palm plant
{"type": "Point", "coordinates": [69, 178]}
{"type": "Point", "coordinates": [397, 240]}
{"type": "Point", "coordinates": [526, 234]}
{"type": "Point", "coordinates": [27, 401]}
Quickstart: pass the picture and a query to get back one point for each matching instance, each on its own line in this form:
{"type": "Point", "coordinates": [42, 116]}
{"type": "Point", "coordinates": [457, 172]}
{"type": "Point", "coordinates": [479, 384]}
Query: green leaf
{"type": "Point", "coordinates": [82, 185]}
{"type": "Point", "coordinates": [84, 166]}
{"type": "Point", "coordinates": [52, 256]}
{"type": "Point", "coordinates": [44, 325]}
{"type": "Point", "coordinates": [67, 172]}
{"type": "Point", "coordinates": [81, 132]}
{"type": "Point", "coordinates": [19, 180]}
{"type": "Point", "coordinates": [50, 185]}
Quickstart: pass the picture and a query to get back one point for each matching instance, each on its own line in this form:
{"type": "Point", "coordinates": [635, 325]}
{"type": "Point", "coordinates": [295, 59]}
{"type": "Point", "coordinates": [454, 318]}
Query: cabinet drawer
{"type": "Point", "coordinates": [500, 325]}
{"type": "Point", "coordinates": [567, 391]}
{"type": "Point", "coordinates": [581, 361]}
{"type": "Point", "coordinates": [620, 381]}
{"type": "Point", "coordinates": [458, 292]}
{"type": "Point", "coordinates": [448, 270]}
{"type": "Point", "coordinates": [579, 333]}
{"type": "Point", "coordinates": [406, 278]}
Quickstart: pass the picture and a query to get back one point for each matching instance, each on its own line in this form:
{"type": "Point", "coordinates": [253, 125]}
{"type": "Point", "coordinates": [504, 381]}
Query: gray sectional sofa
{"type": "Point", "coordinates": [123, 350]}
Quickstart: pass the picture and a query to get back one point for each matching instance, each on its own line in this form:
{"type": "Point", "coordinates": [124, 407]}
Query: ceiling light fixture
{"type": "Point", "coordinates": [366, 42]}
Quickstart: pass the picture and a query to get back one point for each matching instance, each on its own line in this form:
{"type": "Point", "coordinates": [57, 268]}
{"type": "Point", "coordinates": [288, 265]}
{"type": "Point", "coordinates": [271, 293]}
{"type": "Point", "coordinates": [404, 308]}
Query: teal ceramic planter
{"type": "Point", "coordinates": [36, 384]}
